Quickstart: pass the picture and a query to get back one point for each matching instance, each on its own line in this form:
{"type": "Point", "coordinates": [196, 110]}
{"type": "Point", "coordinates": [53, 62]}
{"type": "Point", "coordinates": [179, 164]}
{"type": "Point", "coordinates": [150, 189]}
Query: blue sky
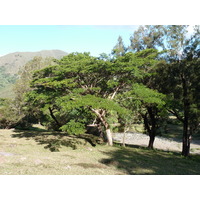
{"type": "Point", "coordinates": [95, 39]}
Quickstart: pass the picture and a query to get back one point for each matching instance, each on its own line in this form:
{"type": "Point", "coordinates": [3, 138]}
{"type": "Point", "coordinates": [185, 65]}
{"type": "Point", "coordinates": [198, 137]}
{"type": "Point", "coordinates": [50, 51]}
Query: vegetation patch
{"type": "Point", "coordinates": [31, 157]}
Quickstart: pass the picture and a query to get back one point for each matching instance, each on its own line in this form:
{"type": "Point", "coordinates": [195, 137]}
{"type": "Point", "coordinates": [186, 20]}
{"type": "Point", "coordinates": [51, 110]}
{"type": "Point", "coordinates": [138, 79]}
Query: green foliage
{"type": "Point", "coordinates": [147, 37]}
{"type": "Point", "coordinates": [9, 117]}
{"type": "Point", "coordinates": [176, 37]}
{"type": "Point", "coordinates": [119, 49]}
{"type": "Point", "coordinates": [159, 75]}
{"type": "Point", "coordinates": [179, 80]}
{"type": "Point", "coordinates": [79, 84]}
{"type": "Point", "coordinates": [22, 87]}
{"type": "Point", "coordinates": [171, 37]}
{"type": "Point", "coordinates": [6, 79]}
{"type": "Point", "coordinates": [148, 96]}
{"type": "Point", "coordinates": [81, 88]}
{"type": "Point", "coordinates": [73, 127]}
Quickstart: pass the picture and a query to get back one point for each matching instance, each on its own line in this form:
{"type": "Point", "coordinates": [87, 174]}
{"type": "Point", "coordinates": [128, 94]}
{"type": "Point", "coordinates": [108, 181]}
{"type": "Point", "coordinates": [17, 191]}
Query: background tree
{"type": "Point", "coordinates": [160, 37]}
{"type": "Point", "coordinates": [144, 63]}
{"type": "Point", "coordinates": [14, 112]}
{"type": "Point", "coordinates": [119, 49]}
{"type": "Point", "coordinates": [148, 37]}
{"type": "Point", "coordinates": [9, 117]}
{"type": "Point", "coordinates": [170, 38]}
{"type": "Point", "coordinates": [176, 36]}
{"type": "Point", "coordinates": [6, 78]}
{"type": "Point", "coordinates": [180, 81]}
{"type": "Point", "coordinates": [142, 99]}
{"type": "Point", "coordinates": [22, 86]}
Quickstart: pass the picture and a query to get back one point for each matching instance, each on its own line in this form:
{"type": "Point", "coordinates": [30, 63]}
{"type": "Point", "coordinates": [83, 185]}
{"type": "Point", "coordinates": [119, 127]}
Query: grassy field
{"type": "Point", "coordinates": [32, 152]}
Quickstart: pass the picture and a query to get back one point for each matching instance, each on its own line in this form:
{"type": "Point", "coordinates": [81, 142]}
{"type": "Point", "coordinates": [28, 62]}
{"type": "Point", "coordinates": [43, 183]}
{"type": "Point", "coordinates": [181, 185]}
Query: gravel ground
{"type": "Point", "coordinates": [159, 143]}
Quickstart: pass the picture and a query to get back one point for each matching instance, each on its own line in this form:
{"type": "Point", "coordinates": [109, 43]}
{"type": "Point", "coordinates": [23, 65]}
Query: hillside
{"type": "Point", "coordinates": [13, 61]}
{"type": "Point", "coordinates": [7, 92]}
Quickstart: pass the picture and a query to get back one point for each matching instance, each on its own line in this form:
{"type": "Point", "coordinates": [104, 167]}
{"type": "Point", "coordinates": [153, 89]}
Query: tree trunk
{"type": "Point", "coordinates": [124, 138]}
{"type": "Point", "coordinates": [126, 129]}
{"type": "Point", "coordinates": [185, 147]}
{"type": "Point", "coordinates": [186, 141]}
{"type": "Point", "coordinates": [101, 135]}
{"type": "Point", "coordinates": [53, 117]}
{"type": "Point", "coordinates": [101, 115]}
{"type": "Point", "coordinates": [148, 129]}
{"type": "Point", "coordinates": [150, 126]}
{"type": "Point", "coordinates": [109, 137]}
{"type": "Point", "coordinates": [186, 135]}
{"type": "Point", "coordinates": [151, 141]}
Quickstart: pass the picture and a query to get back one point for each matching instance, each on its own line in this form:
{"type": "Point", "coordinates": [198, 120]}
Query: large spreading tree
{"type": "Point", "coordinates": [77, 91]}
{"type": "Point", "coordinates": [81, 89]}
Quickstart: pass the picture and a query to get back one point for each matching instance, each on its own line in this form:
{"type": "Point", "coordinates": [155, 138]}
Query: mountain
{"type": "Point", "coordinates": [13, 61]}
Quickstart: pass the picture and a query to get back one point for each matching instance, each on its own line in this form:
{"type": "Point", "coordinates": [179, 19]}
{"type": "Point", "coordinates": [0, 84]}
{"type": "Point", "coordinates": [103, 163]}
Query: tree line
{"type": "Point", "coordinates": [6, 78]}
{"type": "Point", "coordinates": [155, 77]}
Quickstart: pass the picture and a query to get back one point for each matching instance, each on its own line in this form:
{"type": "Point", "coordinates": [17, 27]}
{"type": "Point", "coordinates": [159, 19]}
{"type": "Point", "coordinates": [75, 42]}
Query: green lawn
{"type": "Point", "coordinates": [32, 152]}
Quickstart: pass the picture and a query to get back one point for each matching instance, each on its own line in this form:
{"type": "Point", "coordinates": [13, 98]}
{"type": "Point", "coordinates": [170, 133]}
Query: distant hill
{"type": "Point", "coordinates": [7, 92]}
{"type": "Point", "coordinates": [13, 61]}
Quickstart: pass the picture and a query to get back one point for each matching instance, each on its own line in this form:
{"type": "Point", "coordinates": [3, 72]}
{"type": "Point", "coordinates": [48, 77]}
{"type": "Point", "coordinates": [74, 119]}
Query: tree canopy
{"type": "Point", "coordinates": [155, 77]}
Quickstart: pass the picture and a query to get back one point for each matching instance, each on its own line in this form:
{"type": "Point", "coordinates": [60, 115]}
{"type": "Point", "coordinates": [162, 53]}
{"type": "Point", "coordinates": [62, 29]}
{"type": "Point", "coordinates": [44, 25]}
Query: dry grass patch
{"type": "Point", "coordinates": [26, 152]}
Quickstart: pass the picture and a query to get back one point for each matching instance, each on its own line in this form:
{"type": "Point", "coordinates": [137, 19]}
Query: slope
{"type": "Point", "coordinates": [14, 61]}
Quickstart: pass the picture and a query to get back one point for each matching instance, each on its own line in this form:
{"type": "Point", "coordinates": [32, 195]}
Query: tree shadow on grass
{"type": "Point", "coordinates": [55, 140]}
{"type": "Point", "coordinates": [31, 128]}
{"type": "Point", "coordinates": [90, 165]}
{"type": "Point", "coordinates": [142, 161]}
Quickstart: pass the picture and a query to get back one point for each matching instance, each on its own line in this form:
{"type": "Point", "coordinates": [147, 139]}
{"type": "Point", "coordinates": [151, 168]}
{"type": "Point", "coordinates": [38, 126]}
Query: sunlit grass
{"type": "Point", "coordinates": [26, 154]}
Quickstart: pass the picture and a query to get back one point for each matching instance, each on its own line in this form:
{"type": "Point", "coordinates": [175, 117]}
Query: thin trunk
{"type": "Point", "coordinates": [146, 124]}
{"type": "Point", "coordinates": [152, 130]}
{"type": "Point", "coordinates": [186, 135]}
{"type": "Point", "coordinates": [114, 93]}
{"type": "Point", "coordinates": [185, 147]}
{"type": "Point", "coordinates": [126, 129]}
{"type": "Point", "coordinates": [148, 129]}
{"type": "Point", "coordinates": [124, 138]}
{"type": "Point", "coordinates": [151, 141]}
{"type": "Point", "coordinates": [188, 146]}
{"type": "Point", "coordinates": [53, 117]}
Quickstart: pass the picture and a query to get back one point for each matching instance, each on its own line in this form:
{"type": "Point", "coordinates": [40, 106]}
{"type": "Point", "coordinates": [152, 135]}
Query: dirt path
{"type": "Point", "coordinates": [160, 142]}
